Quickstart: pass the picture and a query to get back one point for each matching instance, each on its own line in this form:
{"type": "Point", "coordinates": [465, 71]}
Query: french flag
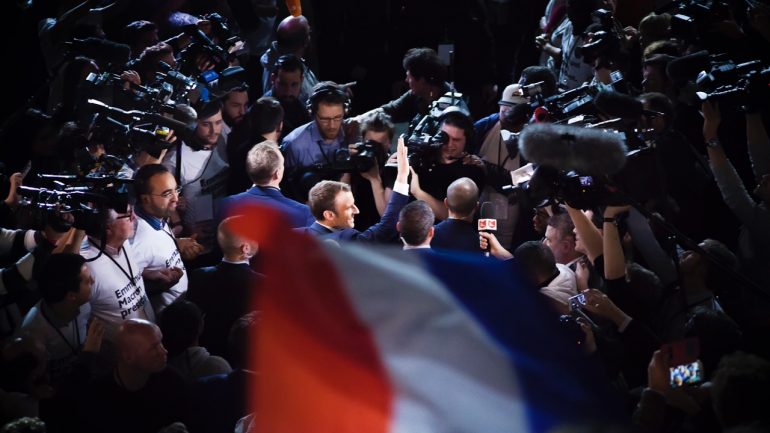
{"type": "Point", "coordinates": [363, 340]}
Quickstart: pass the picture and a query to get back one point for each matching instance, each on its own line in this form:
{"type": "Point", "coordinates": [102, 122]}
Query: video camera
{"type": "Point", "coordinates": [85, 197]}
{"type": "Point", "coordinates": [218, 50]}
{"type": "Point", "coordinates": [605, 44]}
{"type": "Point", "coordinates": [425, 134]}
{"type": "Point", "coordinates": [741, 85]}
{"type": "Point", "coordinates": [359, 157]}
{"type": "Point", "coordinates": [565, 105]}
{"type": "Point", "coordinates": [690, 19]}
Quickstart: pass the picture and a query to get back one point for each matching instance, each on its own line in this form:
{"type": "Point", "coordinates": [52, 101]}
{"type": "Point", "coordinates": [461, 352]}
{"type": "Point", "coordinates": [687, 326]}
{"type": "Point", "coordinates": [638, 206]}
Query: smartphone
{"type": "Point", "coordinates": [686, 374]}
{"type": "Point", "coordinates": [577, 301]}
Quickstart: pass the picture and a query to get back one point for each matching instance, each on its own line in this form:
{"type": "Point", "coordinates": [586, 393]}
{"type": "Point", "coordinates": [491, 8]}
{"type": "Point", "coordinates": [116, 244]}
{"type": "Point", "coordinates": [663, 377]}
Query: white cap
{"type": "Point", "coordinates": [512, 95]}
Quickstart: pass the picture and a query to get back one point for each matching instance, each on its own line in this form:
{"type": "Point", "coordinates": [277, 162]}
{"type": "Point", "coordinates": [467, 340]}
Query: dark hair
{"type": "Point", "coordinates": [563, 224]}
{"type": "Point", "coordinates": [415, 221]}
{"type": "Point", "coordinates": [460, 120]}
{"type": "Point", "coordinates": [321, 197]}
{"type": "Point", "coordinates": [377, 121]}
{"type": "Point", "coordinates": [327, 92]}
{"type": "Point", "coordinates": [425, 63]}
{"type": "Point", "coordinates": [181, 324]}
{"type": "Point", "coordinates": [143, 175]}
{"type": "Point", "coordinates": [265, 116]}
{"type": "Point", "coordinates": [740, 390]}
{"type": "Point", "coordinates": [59, 275]}
{"type": "Point", "coordinates": [288, 63]}
{"type": "Point", "coordinates": [536, 259]}
{"type": "Point", "coordinates": [718, 334]}
{"type": "Point", "coordinates": [661, 103]}
{"type": "Point", "coordinates": [535, 74]}
{"type": "Point", "coordinates": [208, 109]}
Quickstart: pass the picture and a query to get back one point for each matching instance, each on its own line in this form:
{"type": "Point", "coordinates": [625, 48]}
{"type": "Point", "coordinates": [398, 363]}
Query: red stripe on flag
{"type": "Point", "coordinates": [319, 368]}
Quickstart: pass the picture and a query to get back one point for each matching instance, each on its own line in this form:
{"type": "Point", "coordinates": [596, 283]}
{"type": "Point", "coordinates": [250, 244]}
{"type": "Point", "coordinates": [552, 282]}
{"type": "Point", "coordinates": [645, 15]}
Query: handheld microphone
{"type": "Point", "coordinates": [586, 151]}
{"type": "Point", "coordinates": [541, 115]}
{"type": "Point", "coordinates": [487, 225]}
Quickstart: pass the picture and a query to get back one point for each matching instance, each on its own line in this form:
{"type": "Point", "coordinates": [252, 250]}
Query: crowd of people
{"type": "Point", "coordinates": [127, 291]}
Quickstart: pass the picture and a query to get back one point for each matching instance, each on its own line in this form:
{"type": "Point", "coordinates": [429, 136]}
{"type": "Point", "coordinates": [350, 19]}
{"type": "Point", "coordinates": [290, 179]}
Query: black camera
{"type": "Point", "coordinates": [691, 19]}
{"type": "Point", "coordinates": [605, 44]}
{"type": "Point", "coordinates": [425, 134]}
{"type": "Point", "coordinates": [744, 85]}
{"type": "Point", "coordinates": [359, 157]}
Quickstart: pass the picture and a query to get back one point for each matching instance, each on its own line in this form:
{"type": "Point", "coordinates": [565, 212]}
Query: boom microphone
{"type": "Point", "coordinates": [587, 151]}
{"type": "Point", "coordinates": [686, 68]}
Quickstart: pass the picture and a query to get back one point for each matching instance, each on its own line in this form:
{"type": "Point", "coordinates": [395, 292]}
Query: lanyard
{"type": "Point", "coordinates": [130, 273]}
{"type": "Point", "coordinates": [58, 331]}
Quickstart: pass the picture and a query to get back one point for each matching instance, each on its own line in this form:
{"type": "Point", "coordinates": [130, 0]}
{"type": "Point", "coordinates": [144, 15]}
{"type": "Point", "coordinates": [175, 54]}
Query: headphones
{"type": "Point", "coordinates": [324, 90]}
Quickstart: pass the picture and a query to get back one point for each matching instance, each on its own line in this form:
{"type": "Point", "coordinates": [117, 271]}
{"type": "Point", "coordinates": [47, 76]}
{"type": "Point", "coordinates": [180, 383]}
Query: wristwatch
{"type": "Point", "coordinates": [714, 142]}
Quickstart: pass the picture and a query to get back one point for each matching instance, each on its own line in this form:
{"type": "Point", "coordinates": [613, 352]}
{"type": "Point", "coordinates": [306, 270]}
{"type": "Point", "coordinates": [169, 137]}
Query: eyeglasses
{"type": "Point", "coordinates": [167, 194]}
{"type": "Point", "coordinates": [329, 120]}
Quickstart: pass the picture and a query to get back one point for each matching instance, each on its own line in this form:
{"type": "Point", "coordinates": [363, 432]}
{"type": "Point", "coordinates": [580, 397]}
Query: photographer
{"type": "Point", "coordinates": [754, 238]}
{"type": "Point", "coordinates": [285, 86]}
{"type": "Point", "coordinates": [450, 162]}
{"type": "Point", "coordinates": [374, 187]}
{"type": "Point", "coordinates": [292, 37]}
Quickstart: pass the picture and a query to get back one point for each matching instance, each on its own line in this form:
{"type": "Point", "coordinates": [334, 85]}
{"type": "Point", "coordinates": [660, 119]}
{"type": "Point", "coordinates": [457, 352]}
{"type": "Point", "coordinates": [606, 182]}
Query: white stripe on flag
{"type": "Point", "coordinates": [447, 372]}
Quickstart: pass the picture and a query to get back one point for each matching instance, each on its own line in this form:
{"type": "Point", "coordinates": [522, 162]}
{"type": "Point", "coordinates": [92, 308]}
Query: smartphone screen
{"type": "Point", "coordinates": [686, 374]}
{"type": "Point", "coordinates": [577, 301]}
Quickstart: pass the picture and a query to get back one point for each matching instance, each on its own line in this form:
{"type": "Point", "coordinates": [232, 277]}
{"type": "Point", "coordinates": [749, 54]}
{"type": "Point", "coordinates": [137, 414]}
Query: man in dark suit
{"type": "Point", "coordinates": [264, 164]}
{"type": "Point", "coordinates": [415, 225]}
{"type": "Point", "coordinates": [334, 209]}
{"type": "Point", "coordinates": [457, 232]}
{"type": "Point", "coordinates": [224, 292]}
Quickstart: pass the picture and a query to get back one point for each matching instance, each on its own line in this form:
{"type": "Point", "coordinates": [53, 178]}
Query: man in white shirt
{"type": "Point", "coordinates": [118, 292]}
{"type": "Point", "coordinates": [158, 251]}
{"type": "Point", "coordinates": [201, 171]}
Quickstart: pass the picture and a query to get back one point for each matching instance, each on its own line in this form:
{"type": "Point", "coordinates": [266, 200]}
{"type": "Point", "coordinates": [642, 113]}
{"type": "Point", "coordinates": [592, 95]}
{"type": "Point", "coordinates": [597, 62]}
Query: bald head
{"type": "Point", "coordinates": [140, 346]}
{"type": "Point", "coordinates": [462, 197]}
{"type": "Point", "coordinates": [293, 34]}
{"type": "Point", "coordinates": [234, 247]}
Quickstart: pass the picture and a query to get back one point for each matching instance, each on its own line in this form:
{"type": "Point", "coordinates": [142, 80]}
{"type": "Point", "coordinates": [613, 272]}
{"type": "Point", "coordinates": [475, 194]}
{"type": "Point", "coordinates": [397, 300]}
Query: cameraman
{"type": "Point", "coordinates": [754, 238]}
{"type": "Point", "coordinates": [373, 188]}
{"type": "Point", "coordinates": [436, 171]}
{"type": "Point", "coordinates": [317, 141]}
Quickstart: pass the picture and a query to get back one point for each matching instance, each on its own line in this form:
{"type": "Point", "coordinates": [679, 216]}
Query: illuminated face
{"type": "Point", "coordinates": [235, 106]}
{"type": "Point", "coordinates": [149, 354]}
{"type": "Point", "coordinates": [345, 210]}
{"type": "Point", "coordinates": [163, 196]}
{"type": "Point", "coordinates": [562, 248]}
{"type": "Point", "coordinates": [381, 137]}
{"type": "Point", "coordinates": [329, 119]}
{"type": "Point", "coordinates": [209, 130]}
{"type": "Point", "coordinates": [86, 285]}
{"type": "Point", "coordinates": [122, 227]}
{"type": "Point", "coordinates": [455, 147]}
{"type": "Point", "coordinates": [287, 84]}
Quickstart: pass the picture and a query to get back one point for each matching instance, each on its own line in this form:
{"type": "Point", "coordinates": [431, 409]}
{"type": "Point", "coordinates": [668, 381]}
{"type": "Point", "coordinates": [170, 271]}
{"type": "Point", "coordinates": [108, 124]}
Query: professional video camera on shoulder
{"type": "Point", "coordinates": [606, 42]}
{"type": "Point", "coordinates": [222, 48]}
{"type": "Point", "coordinates": [578, 101]}
{"type": "Point", "coordinates": [357, 158]}
{"type": "Point", "coordinates": [425, 134]}
{"type": "Point", "coordinates": [691, 19]}
{"type": "Point", "coordinates": [83, 197]}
